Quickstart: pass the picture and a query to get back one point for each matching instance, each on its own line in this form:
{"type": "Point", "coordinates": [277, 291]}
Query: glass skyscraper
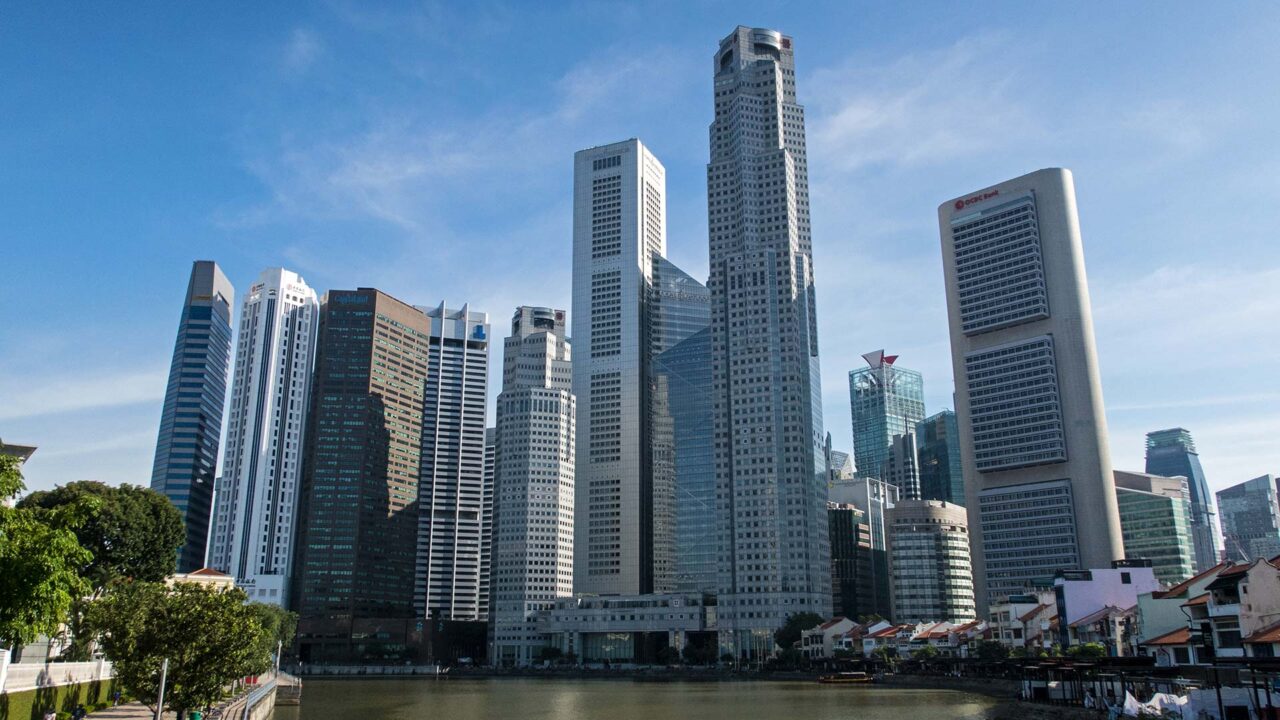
{"type": "Point", "coordinates": [938, 446]}
{"type": "Point", "coordinates": [1172, 452]}
{"type": "Point", "coordinates": [358, 505]}
{"type": "Point", "coordinates": [885, 400]}
{"type": "Point", "coordinates": [684, 457]}
{"type": "Point", "coordinates": [1155, 519]}
{"type": "Point", "coordinates": [191, 422]}
{"type": "Point", "coordinates": [1251, 519]}
{"type": "Point", "coordinates": [678, 396]}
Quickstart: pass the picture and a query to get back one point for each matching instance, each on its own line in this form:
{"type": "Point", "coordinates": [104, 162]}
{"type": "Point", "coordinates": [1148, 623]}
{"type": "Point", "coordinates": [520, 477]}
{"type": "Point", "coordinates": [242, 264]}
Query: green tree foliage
{"type": "Point", "coordinates": [668, 656]}
{"type": "Point", "coordinates": [134, 532]}
{"type": "Point", "coordinates": [39, 563]}
{"type": "Point", "coordinates": [1087, 651]}
{"type": "Point", "coordinates": [992, 651]}
{"type": "Point", "coordinates": [700, 653]}
{"type": "Point", "coordinates": [789, 633]}
{"type": "Point", "coordinates": [279, 626]}
{"type": "Point", "coordinates": [210, 638]}
{"type": "Point", "coordinates": [886, 654]}
{"type": "Point", "coordinates": [925, 654]}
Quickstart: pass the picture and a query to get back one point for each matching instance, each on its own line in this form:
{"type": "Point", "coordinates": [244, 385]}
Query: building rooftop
{"type": "Point", "coordinates": [1181, 636]}
{"type": "Point", "coordinates": [1268, 634]}
{"type": "Point", "coordinates": [1183, 586]}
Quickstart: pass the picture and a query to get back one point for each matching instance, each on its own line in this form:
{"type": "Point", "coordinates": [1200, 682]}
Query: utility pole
{"type": "Point", "coordinates": [164, 675]}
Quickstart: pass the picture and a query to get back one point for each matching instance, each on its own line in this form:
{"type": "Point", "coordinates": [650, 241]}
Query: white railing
{"type": "Point", "coordinates": [30, 676]}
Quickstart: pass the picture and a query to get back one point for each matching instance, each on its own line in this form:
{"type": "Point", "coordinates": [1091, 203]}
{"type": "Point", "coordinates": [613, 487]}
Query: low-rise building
{"type": "Point", "coordinates": [1014, 620]}
{"type": "Point", "coordinates": [1112, 627]}
{"type": "Point", "coordinates": [1230, 611]}
{"type": "Point", "coordinates": [208, 577]}
{"type": "Point", "coordinates": [1081, 594]}
{"type": "Point", "coordinates": [818, 643]}
{"type": "Point", "coordinates": [628, 628]}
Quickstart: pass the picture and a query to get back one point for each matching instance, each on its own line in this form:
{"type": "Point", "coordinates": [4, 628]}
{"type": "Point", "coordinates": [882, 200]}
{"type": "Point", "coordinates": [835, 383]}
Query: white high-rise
{"type": "Point", "coordinates": [1038, 483]}
{"type": "Point", "coordinates": [769, 443]}
{"type": "Point", "coordinates": [448, 581]}
{"type": "Point", "coordinates": [257, 494]}
{"type": "Point", "coordinates": [534, 483]}
{"type": "Point", "coordinates": [619, 227]}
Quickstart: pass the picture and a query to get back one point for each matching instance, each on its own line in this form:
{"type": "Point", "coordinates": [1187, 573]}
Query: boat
{"type": "Point", "coordinates": [846, 678]}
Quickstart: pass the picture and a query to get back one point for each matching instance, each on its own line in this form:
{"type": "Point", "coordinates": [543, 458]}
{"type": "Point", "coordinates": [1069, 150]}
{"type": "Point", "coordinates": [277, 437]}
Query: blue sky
{"type": "Point", "coordinates": [426, 149]}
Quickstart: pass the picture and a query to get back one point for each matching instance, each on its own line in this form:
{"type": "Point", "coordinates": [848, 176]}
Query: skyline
{"type": "Point", "coordinates": [282, 187]}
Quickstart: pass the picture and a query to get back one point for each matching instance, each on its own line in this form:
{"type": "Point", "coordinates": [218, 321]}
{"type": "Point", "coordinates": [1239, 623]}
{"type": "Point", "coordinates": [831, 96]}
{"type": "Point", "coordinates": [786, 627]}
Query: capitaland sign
{"type": "Point", "coordinates": [962, 204]}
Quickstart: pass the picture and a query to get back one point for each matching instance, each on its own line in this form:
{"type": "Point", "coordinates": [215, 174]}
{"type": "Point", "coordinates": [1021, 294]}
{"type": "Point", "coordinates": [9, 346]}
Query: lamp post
{"type": "Point", "coordinates": [164, 675]}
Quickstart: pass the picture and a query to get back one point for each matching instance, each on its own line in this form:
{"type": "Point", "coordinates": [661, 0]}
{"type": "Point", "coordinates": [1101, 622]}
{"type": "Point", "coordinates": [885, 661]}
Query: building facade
{"type": "Point", "coordinates": [186, 458]}
{"type": "Point", "coordinates": [257, 495]}
{"type": "Point", "coordinates": [1250, 514]}
{"type": "Point", "coordinates": [451, 482]}
{"type": "Point", "coordinates": [941, 469]}
{"type": "Point", "coordinates": [619, 228]}
{"type": "Point", "coordinates": [932, 577]}
{"type": "Point", "coordinates": [886, 400]}
{"type": "Point", "coordinates": [534, 483]}
{"type": "Point", "coordinates": [857, 590]}
{"type": "Point", "coordinates": [1155, 520]}
{"type": "Point", "coordinates": [683, 453]}
{"type": "Point", "coordinates": [359, 502]}
{"type": "Point", "coordinates": [900, 467]}
{"type": "Point", "coordinates": [771, 479]}
{"type": "Point", "coordinates": [1171, 453]}
{"type": "Point", "coordinates": [1036, 462]}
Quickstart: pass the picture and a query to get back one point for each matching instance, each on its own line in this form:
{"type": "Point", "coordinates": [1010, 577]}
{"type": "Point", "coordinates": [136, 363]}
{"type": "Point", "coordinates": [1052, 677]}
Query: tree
{"type": "Point", "coordinates": [134, 532]}
{"type": "Point", "coordinates": [925, 654]}
{"type": "Point", "coordinates": [1087, 651]}
{"type": "Point", "coordinates": [789, 633]}
{"type": "Point", "coordinates": [992, 651]}
{"type": "Point", "coordinates": [210, 637]}
{"type": "Point", "coordinates": [668, 656]}
{"type": "Point", "coordinates": [278, 625]}
{"type": "Point", "coordinates": [39, 563]}
{"type": "Point", "coordinates": [550, 654]}
{"type": "Point", "coordinates": [886, 654]}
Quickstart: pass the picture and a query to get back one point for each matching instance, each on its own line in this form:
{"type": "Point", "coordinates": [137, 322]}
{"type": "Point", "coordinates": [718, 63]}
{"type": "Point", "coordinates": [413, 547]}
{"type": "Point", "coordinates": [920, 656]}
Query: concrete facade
{"type": "Point", "coordinates": [929, 562]}
{"type": "Point", "coordinates": [1037, 463]}
{"type": "Point", "coordinates": [256, 504]}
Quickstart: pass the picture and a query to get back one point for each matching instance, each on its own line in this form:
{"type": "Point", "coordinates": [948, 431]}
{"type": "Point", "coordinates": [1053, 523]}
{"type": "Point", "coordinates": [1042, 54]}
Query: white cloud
{"type": "Point", "coordinates": [302, 50]}
{"type": "Point", "coordinates": [28, 397]}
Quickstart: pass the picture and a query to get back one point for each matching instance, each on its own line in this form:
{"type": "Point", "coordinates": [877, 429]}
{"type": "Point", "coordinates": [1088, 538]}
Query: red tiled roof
{"type": "Point", "coordinates": [208, 572]}
{"type": "Point", "coordinates": [1269, 634]}
{"type": "Point", "coordinates": [831, 623]}
{"type": "Point", "coordinates": [1181, 636]}
{"type": "Point", "coordinates": [887, 632]}
{"type": "Point", "coordinates": [1185, 584]}
{"type": "Point", "coordinates": [1197, 600]}
{"type": "Point", "coordinates": [1236, 570]}
{"type": "Point", "coordinates": [1036, 611]}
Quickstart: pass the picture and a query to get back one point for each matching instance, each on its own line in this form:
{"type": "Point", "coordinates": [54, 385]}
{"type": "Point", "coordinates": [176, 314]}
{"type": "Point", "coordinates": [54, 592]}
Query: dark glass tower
{"type": "Point", "coordinates": [684, 459]}
{"type": "Point", "coordinates": [1170, 453]}
{"type": "Point", "coordinates": [358, 504]}
{"type": "Point", "coordinates": [191, 422]}
{"type": "Point", "coordinates": [938, 447]}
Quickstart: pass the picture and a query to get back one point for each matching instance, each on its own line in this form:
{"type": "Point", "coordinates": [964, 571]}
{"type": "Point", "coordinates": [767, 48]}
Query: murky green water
{"type": "Point", "coordinates": [512, 699]}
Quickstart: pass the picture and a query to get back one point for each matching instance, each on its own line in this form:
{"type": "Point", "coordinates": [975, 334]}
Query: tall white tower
{"type": "Point", "coordinates": [534, 493]}
{"type": "Point", "coordinates": [1037, 467]}
{"type": "Point", "coordinates": [257, 495]}
{"type": "Point", "coordinates": [619, 226]}
{"type": "Point", "coordinates": [448, 581]}
{"type": "Point", "coordinates": [769, 443]}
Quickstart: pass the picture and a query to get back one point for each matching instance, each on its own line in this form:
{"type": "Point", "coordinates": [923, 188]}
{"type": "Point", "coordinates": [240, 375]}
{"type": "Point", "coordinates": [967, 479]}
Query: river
{"type": "Point", "coordinates": [533, 699]}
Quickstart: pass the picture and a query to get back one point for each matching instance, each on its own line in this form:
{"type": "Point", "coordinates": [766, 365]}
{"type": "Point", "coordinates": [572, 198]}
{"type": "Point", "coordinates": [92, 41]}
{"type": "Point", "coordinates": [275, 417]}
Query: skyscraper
{"type": "Point", "coordinates": [929, 562]}
{"type": "Point", "coordinates": [257, 495]}
{"type": "Point", "coordinates": [938, 449]}
{"type": "Point", "coordinates": [1172, 452]}
{"type": "Point", "coordinates": [1155, 519]}
{"type": "Point", "coordinates": [1037, 466]}
{"type": "Point", "coordinates": [1251, 519]}
{"type": "Point", "coordinates": [684, 458]}
{"type": "Point", "coordinates": [534, 538]}
{"type": "Point", "coordinates": [619, 228]}
{"type": "Point", "coordinates": [359, 504]}
{"type": "Point", "coordinates": [770, 447]}
{"type": "Point", "coordinates": [856, 590]}
{"type": "Point", "coordinates": [885, 400]}
{"type": "Point", "coordinates": [191, 422]}
{"type": "Point", "coordinates": [487, 520]}
{"type": "Point", "coordinates": [451, 482]}
{"type": "Point", "coordinates": [680, 475]}
{"type": "Point", "coordinates": [900, 465]}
